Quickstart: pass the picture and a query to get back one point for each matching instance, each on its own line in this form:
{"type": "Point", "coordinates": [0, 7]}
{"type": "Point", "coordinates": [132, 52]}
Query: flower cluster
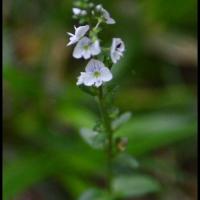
{"type": "Point", "coordinates": [88, 45]}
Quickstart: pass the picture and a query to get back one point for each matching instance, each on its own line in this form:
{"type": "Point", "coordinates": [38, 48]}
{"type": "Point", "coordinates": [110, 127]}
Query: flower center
{"type": "Point", "coordinates": [86, 47]}
{"type": "Point", "coordinates": [119, 45]}
{"type": "Point", "coordinates": [96, 74]}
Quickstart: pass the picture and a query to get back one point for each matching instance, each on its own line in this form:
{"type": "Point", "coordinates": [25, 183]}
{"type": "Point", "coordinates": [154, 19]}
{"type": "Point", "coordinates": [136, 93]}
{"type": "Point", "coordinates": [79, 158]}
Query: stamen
{"type": "Point", "coordinates": [97, 74]}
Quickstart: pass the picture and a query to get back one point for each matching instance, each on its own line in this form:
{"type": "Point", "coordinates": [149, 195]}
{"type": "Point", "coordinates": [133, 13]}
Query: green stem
{"type": "Point", "coordinates": [98, 23]}
{"type": "Point", "coordinates": [108, 129]}
{"type": "Point", "coordinates": [106, 49]}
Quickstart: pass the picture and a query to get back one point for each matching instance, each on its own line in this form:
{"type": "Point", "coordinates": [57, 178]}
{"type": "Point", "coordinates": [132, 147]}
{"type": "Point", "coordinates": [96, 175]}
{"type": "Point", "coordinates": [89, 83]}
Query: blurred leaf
{"type": "Point", "coordinates": [134, 186]}
{"type": "Point", "coordinates": [23, 173]}
{"type": "Point", "coordinates": [76, 116]}
{"type": "Point", "coordinates": [140, 99]}
{"type": "Point", "coordinates": [126, 161]}
{"type": "Point", "coordinates": [150, 132]}
{"type": "Point", "coordinates": [22, 82]}
{"type": "Point", "coordinates": [95, 194]}
{"type": "Point", "coordinates": [94, 139]}
{"type": "Point", "coordinates": [74, 184]}
{"type": "Point", "coordinates": [180, 16]}
{"type": "Point", "coordinates": [168, 173]}
{"type": "Point", "coordinates": [121, 120]}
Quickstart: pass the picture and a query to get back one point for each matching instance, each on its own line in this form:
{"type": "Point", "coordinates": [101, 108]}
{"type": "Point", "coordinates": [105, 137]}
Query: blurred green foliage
{"type": "Point", "coordinates": [43, 110]}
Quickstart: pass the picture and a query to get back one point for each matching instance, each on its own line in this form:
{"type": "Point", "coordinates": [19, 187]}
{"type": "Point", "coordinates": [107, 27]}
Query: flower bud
{"type": "Point", "coordinates": [121, 143]}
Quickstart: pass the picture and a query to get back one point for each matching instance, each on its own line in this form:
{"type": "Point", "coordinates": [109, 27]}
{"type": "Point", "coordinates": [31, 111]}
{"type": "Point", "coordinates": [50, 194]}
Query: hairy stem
{"type": "Point", "coordinates": [109, 132]}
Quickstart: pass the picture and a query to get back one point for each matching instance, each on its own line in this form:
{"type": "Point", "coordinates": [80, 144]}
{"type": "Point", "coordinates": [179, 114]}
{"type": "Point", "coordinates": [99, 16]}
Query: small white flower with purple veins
{"type": "Point", "coordinates": [79, 12]}
{"type": "Point", "coordinates": [86, 48]}
{"type": "Point", "coordinates": [105, 14]}
{"type": "Point", "coordinates": [117, 49]}
{"type": "Point", "coordinates": [95, 74]}
{"type": "Point", "coordinates": [79, 33]}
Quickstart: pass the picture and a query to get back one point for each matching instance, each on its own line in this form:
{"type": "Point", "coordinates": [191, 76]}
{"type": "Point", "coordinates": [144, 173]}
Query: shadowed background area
{"type": "Point", "coordinates": [44, 157]}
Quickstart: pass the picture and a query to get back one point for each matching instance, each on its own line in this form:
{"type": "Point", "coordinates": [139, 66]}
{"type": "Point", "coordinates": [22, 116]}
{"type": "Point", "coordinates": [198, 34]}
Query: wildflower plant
{"type": "Point", "coordinates": [94, 80]}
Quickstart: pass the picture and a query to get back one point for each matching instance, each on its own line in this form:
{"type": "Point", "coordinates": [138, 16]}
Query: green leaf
{"type": "Point", "coordinates": [121, 120]}
{"type": "Point", "coordinates": [134, 186]}
{"type": "Point", "coordinates": [126, 160]}
{"type": "Point", "coordinates": [94, 139]}
{"type": "Point", "coordinates": [150, 132]}
{"type": "Point", "coordinates": [95, 194]}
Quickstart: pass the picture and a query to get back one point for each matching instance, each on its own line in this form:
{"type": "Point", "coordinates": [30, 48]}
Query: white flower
{"type": "Point", "coordinates": [79, 33]}
{"type": "Point", "coordinates": [86, 48]}
{"type": "Point", "coordinates": [99, 7]}
{"type": "Point", "coordinates": [83, 12]}
{"type": "Point", "coordinates": [105, 14]}
{"type": "Point", "coordinates": [95, 74]}
{"type": "Point", "coordinates": [117, 49]}
{"type": "Point", "coordinates": [78, 11]}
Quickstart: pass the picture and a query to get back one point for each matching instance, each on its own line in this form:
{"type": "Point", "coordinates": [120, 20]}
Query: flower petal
{"type": "Point", "coordinates": [106, 74]}
{"type": "Point", "coordinates": [98, 83]}
{"type": "Point", "coordinates": [110, 21]}
{"type": "Point", "coordinates": [76, 11]}
{"type": "Point", "coordinates": [94, 65]}
{"type": "Point", "coordinates": [117, 49]}
{"type": "Point", "coordinates": [86, 54]}
{"type": "Point", "coordinates": [89, 79]}
{"type": "Point", "coordinates": [107, 17]}
{"type": "Point", "coordinates": [81, 31]}
{"type": "Point", "coordinates": [77, 53]}
{"type": "Point", "coordinates": [70, 34]}
{"type": "Point", "coordinates": [73, 40]}
{"type": "Point", "coordinates": [115, 57]}
{"type": "Point", "coordinates": [79, 49]}
{"type": "Point", "coordinates": [81, 78]}
{"type": "Point", "coordinates": [83, 12]}
{"type": "Point", "coordinates": [95, 48]}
